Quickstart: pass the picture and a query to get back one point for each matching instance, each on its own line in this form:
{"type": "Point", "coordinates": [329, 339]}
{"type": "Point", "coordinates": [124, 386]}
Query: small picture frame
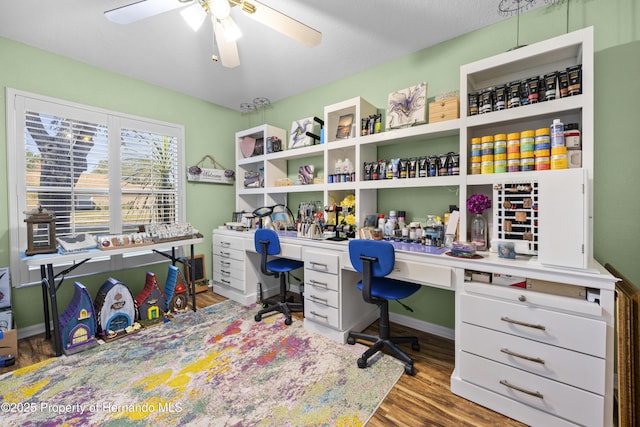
{"type": "Point", "coordinates": [274, 144]}
{"type": "Point", "coordinates": [345, 123]}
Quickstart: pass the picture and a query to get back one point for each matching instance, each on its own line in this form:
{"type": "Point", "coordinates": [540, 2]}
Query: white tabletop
{"type": "Point", "coordinates": [57, 258]}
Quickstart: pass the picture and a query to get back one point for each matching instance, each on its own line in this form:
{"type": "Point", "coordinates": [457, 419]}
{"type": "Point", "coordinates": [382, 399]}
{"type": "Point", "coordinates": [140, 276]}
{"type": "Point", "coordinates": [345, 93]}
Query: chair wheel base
{"type": "Point", "coordinates": [351, 341]}
{"type": "Point", "coordinates": [415, 347]}
{"type": "Point", "coordinates": [409, 370]}
{"type": "Point", "coordinates": [258, 317]}
{"type": "Point", "coordinates": [362, 363]}
{"type": "Point", "coordinates": [287, 321]}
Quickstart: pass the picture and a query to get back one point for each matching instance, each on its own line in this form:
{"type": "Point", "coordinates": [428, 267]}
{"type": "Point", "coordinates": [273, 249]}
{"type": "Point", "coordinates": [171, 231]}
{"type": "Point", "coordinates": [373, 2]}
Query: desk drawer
{"type": "Point", "coordinates": [323, 262]}
{"type": "Point", "coordinates": [549, 396]}
{"type": "Point", "coordinates": [320, 280]}
{"type": "Point", "coordinates": [321, 314]}
{"type": "Point", "coordinates": [321, 296]}
{"type": "Point", "coordinates": [229, 281]}
{"type": "Point", "coordinates": [226, 272]}
{"type": "Point", "coordinates": [551, 327]}
{"type": "Point", "coordinates": [226, 253]}
{"type": "Point", "coordinates": [420, 272]}
{"type": "Point", "coordinates": [290, 251]}
{"type": "Point", "coordinates": [224, 242]}
{"type": "Point", "coordinates": [227, 263]}
{"type": "Point", "coordinates": [569, 367]}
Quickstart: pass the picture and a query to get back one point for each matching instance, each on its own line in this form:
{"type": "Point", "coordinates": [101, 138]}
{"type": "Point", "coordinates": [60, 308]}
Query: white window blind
{"type": "Point", "coordinates": [99, 171]}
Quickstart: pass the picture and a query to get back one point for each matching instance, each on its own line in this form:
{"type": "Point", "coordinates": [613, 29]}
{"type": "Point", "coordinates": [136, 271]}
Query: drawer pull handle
{"type": "Point", "coordinates": [396, 269]}
{"type": "Point", "coordinates": [528, 325]}
{"type": "Point", "coordinates": [319, 315]}
{"type": "Point", "coordinates": [313, 297]}
{"type": "Point", "coordinates": [522, 390]}
{"type": "Point", "coordinates": [316, 283]}
{"type": "Point", "coordinates": [225, 273]}
{"type": "Point", "coordinates": [225, 244]}
{"type": "Point", "coordinates": [225, 254]}
{"type": "Point", "coordinates": [522, 356]}
{"type": "Point", "coordinates": [225, 281]}
{"type": "Point", "coordinates": [225, 263]}
{"type": "Point", "coordinates": [314, 264]}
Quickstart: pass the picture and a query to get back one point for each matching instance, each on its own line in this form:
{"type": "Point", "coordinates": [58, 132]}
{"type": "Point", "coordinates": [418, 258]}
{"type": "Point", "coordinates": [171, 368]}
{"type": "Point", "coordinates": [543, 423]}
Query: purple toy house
{"type": "Point", "coordinates": [151, 301]}
{"type": "Point", "coordinates": [115, 308]}
{"type": "Point", "coordinates": [78, 322]}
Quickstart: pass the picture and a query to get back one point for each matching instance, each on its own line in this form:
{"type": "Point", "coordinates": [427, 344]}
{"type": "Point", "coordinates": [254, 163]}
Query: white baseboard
{"type": "Point", "coordinates": [32, 330]}
{"type": "Point", "coordinates": [423, 326]}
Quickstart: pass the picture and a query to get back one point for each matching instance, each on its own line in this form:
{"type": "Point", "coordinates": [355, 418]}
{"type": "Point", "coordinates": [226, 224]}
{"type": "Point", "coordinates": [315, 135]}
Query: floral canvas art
{"type": "Point", "coordinates": [407, 107]}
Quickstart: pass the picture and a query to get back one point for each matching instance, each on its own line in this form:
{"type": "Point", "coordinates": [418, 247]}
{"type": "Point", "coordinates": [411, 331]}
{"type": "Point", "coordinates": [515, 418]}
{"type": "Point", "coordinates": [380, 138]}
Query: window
{"type": "Point", "coordinates": [99, 171]}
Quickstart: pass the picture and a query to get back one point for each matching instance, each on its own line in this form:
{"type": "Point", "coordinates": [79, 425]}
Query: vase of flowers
{"type": "Point", "coordinates": [477, 204]}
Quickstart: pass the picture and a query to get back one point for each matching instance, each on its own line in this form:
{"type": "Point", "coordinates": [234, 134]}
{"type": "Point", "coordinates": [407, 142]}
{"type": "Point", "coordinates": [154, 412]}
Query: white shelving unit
{"type": "Point", "coordinates": [550, 55]}
{"type": "Point", "coordinates": [527, 369]}
{"type": "Point", "coordinates": [248, 199]}
{"type": "Point", "coordinates": [547, 56]}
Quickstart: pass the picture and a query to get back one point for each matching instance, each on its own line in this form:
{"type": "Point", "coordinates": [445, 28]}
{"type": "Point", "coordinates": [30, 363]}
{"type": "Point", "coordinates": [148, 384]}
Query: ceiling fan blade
{"type": "Point", "coordinates": [286, 25]}
{"type": "Point", "coordinates": [228, 49]}
{"type": "Point", "coordinates": [143, 9]}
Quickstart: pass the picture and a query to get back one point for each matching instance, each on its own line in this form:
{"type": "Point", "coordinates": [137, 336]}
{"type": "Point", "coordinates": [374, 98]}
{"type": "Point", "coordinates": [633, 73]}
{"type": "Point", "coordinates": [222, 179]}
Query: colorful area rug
{"type": "Point", "coordinates": [216, 367]}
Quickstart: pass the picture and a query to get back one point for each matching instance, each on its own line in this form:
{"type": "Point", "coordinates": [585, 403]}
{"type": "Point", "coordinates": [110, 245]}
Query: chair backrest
{"type": "Point", "coordinates": [267, 235]}
{"type": "Point", "coordinates": [379, 249]}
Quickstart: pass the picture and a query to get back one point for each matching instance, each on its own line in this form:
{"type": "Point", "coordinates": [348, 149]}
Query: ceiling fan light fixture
{"type": "Point", "coordinates": [220, 9]}
{"type": "Point", "coordinates": [230, 29]}
{"type": "Point", "coordinates": [194, 16]}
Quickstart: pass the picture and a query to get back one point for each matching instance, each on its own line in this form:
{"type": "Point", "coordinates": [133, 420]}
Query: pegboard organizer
{"type": "Point", "coordinates": [516, 214]}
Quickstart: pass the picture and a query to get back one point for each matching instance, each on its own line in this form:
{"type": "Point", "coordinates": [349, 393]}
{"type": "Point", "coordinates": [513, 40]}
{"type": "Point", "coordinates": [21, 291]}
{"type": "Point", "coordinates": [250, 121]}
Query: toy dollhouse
{"type": "Point", "coordinates": [78, 322]}
{"type": "Point", "coordinates": [151, 301]}
{"type": "Point", "coordinates": [176, 290]}
{"type": "Point", "coordinates": [115, 307]}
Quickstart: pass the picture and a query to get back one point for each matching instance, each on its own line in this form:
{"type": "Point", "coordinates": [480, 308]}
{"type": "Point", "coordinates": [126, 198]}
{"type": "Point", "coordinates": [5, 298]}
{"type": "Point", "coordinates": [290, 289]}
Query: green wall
{"type": "Point", "coordinates": [210, 129]}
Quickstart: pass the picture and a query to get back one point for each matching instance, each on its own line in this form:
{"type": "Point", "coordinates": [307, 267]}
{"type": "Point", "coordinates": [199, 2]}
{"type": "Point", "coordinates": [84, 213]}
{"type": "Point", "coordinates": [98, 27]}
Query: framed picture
{"type": "Point", "coordinates": [200, 273]}
{"type": "Point", "coordinates": [407, 107]}
{"type": "Point", "coordinates": [344, 126]}
{"type": "Point", "coordinates": [299, 129]}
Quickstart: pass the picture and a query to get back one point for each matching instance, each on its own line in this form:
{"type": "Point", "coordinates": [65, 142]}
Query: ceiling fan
{"type": "Point", "coordinates": [225, 30]}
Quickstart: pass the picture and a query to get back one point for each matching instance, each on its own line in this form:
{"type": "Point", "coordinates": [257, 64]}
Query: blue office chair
{"type": "Point", "coordinates": [267, 243]}
{"type": "Point", "coordinates": [375, 259]}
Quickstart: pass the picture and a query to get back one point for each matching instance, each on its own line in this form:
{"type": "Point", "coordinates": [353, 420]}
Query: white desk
{"type": "Point", "coordinates": [574, 337]}
{"type": "Point", "coordinates": [46, 263]}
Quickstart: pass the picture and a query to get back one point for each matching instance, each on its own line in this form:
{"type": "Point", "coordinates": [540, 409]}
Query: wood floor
{"type": "Point", "coordinates": [420, 400]}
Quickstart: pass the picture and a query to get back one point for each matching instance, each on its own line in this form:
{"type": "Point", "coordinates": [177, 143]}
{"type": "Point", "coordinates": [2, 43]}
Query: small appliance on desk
{"type": "Point", "coordinates": [276, 217]}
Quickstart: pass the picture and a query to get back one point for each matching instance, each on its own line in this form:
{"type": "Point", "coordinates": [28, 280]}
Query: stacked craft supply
{"type": "Point", "coordinates": [541, 149]}
{"type": "Point", "coordinates": [558, 146]}
{"type": "Point", "coordinates": [500, 153]}
{"type": "Point", "coordinates": [546, 87]}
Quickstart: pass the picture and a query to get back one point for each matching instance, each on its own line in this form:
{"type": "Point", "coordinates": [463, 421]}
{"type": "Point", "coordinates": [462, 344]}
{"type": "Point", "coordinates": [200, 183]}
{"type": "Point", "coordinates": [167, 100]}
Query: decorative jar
{"type": "Point", "coordinates": [479, 232]}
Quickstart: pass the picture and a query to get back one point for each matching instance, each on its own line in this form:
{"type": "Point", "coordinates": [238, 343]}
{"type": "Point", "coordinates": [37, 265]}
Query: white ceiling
{"type": "Point", "coordinates": [163, 50]}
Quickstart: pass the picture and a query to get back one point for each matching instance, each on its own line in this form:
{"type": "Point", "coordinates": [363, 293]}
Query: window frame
{"type": "Point", "coordinates": [16, 106]}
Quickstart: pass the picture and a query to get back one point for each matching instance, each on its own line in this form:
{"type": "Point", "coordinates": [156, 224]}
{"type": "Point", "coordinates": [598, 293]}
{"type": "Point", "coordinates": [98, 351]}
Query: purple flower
{"type": "Point", "coordinates": [478, 203]}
